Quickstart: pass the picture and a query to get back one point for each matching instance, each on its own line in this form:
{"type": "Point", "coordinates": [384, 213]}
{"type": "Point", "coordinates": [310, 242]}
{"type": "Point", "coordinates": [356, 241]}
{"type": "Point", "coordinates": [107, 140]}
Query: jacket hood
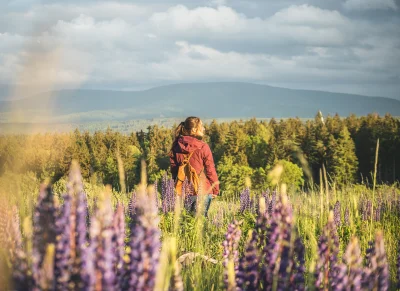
{"type": "Point", "coordinates": [187, 144]}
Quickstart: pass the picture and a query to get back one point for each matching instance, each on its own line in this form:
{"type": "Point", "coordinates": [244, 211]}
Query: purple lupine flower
{"type": "Point", "coordinates": [101, 234]}
{"type": "Point", "coordinates": [119, 243]}
{"type": "Point", "coordinates": [164, 186]}
{"type": "Point", "coordinates": [378, 210]}
{"type": "Point", "coordinates": [132, 204]}
{"type": "Point", "coordinates": [347, 216]}
{"type": "Point", "coordinates": [231, 256]}
{"type": "Point", "coordinates": [340, 280]}
{"type": "Point", "coordinates": [366, 210]}
{"type": "Point", "coordinates": [369, 252]}
{"type": "Point", "coordinates": [245, 201]}
{"type": "Point", "coordinates": [336, 214]}
{"type": "Point", "coordinates": [297, 281]}
{"type": "Point", "coordinates": [82, 271]}
{"type": "Point", "coordinates": [270, 255]}
{"type": "Point", "coordinates": [272, 203]}
{"type": "Point", "coordinates": [187, 192]}
{"type": "Point", "coordinates": [248, 275]}
{"type": "Point", "coordinates": [286, 260]}
{"type": "Point", "coordinates": [278, 262]}
{"type": "Point", "coordinates": [144, 244]}
{"type": "Point", "coordinates": [168, 194]}
{"type": "Point", "coordinates": [63, 246]}
{"type": "Point", "coordinates": [377, 275]}
{"type": "Point", "coordinates": [44, 230]}
{"type": "Point", "coordinates": [21, 278]}
{"type": "Point", "coordinates": [156, 200]}
{"type": "Point", "coordinates": [328, 248]}
{"type": "Point", "coordinates": [265, 194]}
{"type": "Point", "coordinates": [352, 258]}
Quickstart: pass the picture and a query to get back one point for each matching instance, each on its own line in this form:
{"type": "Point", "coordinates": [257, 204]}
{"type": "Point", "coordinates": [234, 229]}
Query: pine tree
{"type": "Point", "coordinates": [342, 163]}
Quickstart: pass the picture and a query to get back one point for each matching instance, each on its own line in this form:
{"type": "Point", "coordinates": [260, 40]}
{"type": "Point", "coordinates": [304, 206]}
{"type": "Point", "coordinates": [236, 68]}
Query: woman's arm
{"type": "Point", "coordinates": [209, 170]}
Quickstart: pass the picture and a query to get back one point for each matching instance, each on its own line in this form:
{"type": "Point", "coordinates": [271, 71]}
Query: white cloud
{"type": "Point", "coordinates": [309, 16]}
{"type": "Point", "coordinates": [180, 18]}
{"type": "Point", "coordinates": [370, 5]}
{"type": "Point", "coordinates": [296, 25]}
{"type": "Point", "coordinates": [115, 43]}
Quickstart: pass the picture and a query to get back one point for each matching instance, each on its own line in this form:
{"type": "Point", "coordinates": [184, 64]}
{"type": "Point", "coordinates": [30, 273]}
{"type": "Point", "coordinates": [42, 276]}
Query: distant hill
{"type": "Point", "coordinates": [207, 100]}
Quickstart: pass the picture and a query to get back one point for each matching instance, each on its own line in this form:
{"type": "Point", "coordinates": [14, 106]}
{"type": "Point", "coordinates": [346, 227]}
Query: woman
{"type": "Point", "coordinates": [188, 139]}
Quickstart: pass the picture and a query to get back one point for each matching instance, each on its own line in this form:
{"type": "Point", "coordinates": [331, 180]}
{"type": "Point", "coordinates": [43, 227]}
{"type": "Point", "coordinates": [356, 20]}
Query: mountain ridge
{"type": "Point", "coordinates": [213, 99]}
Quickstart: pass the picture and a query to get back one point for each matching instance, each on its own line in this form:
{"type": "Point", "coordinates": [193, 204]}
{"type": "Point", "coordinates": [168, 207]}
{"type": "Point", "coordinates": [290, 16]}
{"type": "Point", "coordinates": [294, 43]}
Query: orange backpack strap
{"type": "Point", "coordinates": [187, 158]}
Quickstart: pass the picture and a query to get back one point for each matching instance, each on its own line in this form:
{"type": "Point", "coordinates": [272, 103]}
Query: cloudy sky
{"type": "Point", "coordinates": [334, 45]}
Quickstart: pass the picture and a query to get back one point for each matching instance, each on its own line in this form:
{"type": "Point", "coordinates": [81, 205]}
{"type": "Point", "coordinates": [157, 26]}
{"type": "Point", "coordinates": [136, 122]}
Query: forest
{"type": "Point", "coordinates": [329, 218]}
{"type": "Point", "coordinates": [344, 146]}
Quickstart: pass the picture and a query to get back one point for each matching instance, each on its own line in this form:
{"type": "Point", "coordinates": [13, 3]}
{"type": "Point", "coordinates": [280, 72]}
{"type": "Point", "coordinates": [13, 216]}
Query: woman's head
{"type": "Point", "coordinates": [191, 126]}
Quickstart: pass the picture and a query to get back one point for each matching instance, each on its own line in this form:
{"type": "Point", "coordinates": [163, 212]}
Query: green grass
{"type": "Point", "coordinates": [205, 236]}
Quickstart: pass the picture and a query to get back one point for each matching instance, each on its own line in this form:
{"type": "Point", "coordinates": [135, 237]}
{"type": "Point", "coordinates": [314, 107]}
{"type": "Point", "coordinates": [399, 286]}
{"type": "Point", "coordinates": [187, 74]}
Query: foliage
{"type": "Point", "coordinates": [292, 175]}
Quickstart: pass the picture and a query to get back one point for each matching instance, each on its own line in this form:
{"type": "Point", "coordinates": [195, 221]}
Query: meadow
{"type": "Point", "coordinates": [78, 236]}
{"type": "Point", "coordinates": [111, 221]}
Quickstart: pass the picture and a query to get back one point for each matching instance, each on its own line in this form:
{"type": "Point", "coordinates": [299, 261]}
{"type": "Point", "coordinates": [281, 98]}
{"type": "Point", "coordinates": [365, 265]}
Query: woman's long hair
{"type": "Point", "coordinates": [188, 126]}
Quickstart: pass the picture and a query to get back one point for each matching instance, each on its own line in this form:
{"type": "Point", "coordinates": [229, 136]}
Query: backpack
{"type": "Point", "coordinates": [186, 170]}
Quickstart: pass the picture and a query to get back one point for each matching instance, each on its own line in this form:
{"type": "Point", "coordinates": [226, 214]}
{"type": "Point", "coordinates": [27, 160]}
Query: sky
{"type": "Point", "coordinates": [350, 46]}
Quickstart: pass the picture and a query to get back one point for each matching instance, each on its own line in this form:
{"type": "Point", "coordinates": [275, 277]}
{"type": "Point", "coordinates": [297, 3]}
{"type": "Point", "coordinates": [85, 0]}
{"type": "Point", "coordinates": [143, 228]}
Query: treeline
{"type": "Point", "coordinates": [345, 146]}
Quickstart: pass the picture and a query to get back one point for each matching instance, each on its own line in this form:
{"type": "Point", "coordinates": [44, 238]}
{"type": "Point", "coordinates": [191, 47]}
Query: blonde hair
{"type": "Point", "coordinates": [188, 126]}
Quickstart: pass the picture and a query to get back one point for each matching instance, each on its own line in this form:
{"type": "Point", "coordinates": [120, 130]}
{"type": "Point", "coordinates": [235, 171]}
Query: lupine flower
{"type": "Point", "coordinates": [248, 275]}
{"type": "Point", "coordinates": [377, 275]}
{"type": "Point", "coordinates": [140, 270]}
{"type": "Point", "coordinates": [168, 194]}
{"type": "Point", "coordinates": [231, 256]}
{"type": "Point", "coordinates": [156, 200]}
{"type": "Point", "coordinates": [352, 258]}
{"type": "Point", "coordinates": [378, 210]}
{"type": "Point", "coordinates": [187, 192]}
{"type": "Point", "coordinates": [82, 273]}
{"type": "Point", "coordinates": [261, 225]}
{"type": "Point", "coordinates": [336, 214]}
{"type": "Point", "coordinates": [278, 263]}
{"type": "Point", "coordinates": [369, 252]}
{"type": "Point", "coordinates": [286, 260]}
{"type": "Point", "coordinates": [119, 242]}
{"type": "Point", "coordinates": [63, 246]}
{"type": "Point", "coordinates": [340, 280]}
{"type": "Point", "coordinates": [297, 280]}
{"type": "Point", "coordinates": [44, 230]}
{"type": "Point", "coordinates": [132, 204]}
{"type": "Point", "coordinates": [328, 248]}
{"type": "Point", "coordinates": [21, 278]}
{"type": "Point", "coordinates": [366, 210]}
{"type": "Point", "coordinates": [101, 233]}
{"type": "Point", "coordinates": [272, 203]}
{"type": "Point", "coordinates": [245, 201]}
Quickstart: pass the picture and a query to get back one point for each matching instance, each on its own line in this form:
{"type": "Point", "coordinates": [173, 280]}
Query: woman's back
{"type": "Point", "coordinates": [201, 160]}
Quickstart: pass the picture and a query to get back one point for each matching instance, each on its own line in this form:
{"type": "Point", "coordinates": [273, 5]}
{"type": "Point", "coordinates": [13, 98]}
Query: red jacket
{"type": "Point", "coordinates": [201, 158]}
